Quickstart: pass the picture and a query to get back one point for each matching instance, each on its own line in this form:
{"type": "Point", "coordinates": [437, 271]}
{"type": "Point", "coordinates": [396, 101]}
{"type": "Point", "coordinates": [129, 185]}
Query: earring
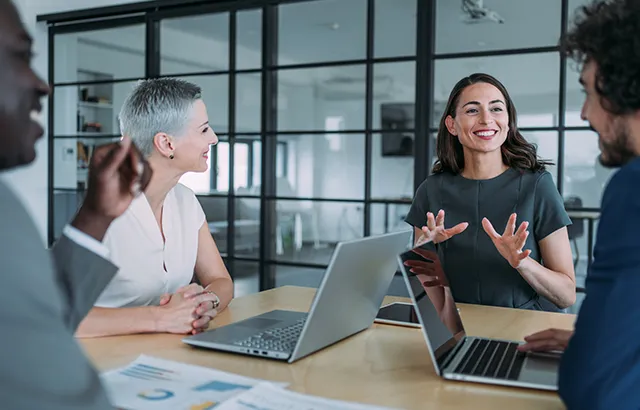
{"type": "Point", "coordinates": [171, 156]}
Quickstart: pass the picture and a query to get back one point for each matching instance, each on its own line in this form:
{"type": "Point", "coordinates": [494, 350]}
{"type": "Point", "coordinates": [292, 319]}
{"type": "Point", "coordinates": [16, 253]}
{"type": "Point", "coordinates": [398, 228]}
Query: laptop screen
{"type": "Point", "coordinates": [429, 288]}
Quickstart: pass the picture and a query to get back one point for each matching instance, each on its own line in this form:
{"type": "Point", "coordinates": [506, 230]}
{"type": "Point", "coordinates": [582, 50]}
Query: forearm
{"type": "Point", "coordinates": [223, 287]}
{"type": "Point", "coordinates": [559, 288]}
{"type": "Point", "coordinates": [119, 321]}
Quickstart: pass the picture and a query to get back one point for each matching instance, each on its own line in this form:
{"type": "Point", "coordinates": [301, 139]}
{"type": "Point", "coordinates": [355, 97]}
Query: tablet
{"type": "Point", "coordinates": [398, 313]}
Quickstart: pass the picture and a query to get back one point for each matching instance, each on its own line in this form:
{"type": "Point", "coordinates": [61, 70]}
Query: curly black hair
{"type": "Point", "coordinates": [608, 34]}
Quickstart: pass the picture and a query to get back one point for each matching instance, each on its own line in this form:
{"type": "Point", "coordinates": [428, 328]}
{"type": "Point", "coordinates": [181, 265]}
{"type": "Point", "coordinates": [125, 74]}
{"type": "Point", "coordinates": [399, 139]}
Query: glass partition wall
{"type": "Point", "coordinates": [326, 111]}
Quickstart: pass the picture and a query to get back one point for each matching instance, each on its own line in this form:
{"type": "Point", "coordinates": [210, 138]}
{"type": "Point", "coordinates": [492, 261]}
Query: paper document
{"type": "Point", "coordinates": [159, 384]}
{"type": "Point", "coordinates": [267, 396]}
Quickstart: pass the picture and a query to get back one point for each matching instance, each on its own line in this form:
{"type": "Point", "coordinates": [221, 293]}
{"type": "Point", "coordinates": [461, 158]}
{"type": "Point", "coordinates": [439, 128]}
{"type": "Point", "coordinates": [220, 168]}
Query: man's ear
{"type": "Point", "coordinates": [449, 122]}
{"type": "Point", "coordinates": [164, 144]}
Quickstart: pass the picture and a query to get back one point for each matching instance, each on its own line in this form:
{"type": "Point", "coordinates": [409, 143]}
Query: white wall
{"type": "Point", "coordinates": [31, 182]}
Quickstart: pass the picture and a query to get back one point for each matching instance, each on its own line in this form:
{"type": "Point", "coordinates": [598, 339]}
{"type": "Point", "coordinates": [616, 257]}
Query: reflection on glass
{"type": "Point", "coordinates": [89, 110]}
{"type": "Point", "coordinates": [395, 28]}
{"type": "Point", "coordinates": [194, 44]}
{"type": "Point", "coordinates": [392, 165]}
{"type": "Point", "coordinates": [247, 227]}
{"type": "Point", "coordinates": [394, 92]}
{"type": "Point", "coordinates": [109, 54]}
{"type": "Point", "coordinates": [327, 98]}
{"type": "Point", "coordinates": [298, 276]}
{"type": "Point", "coordinates": [325, 30]}
{"type": "Point", "coordinates": [512, 25]}
{"type": "Point", "coordinates": [547, 143]}
{"type": "Point", "coordinates": [249, 39]}
{"type": "Point", "coordinates": [321, 166]}
{"type": "Point", "coordinates": [388, 217]}
{"type": "Point", "coordinates": [534, 92]}
{"type": "Point", "coordinates": [215, 211]}
{"type": "Point", "coordinates": [430, 289]}
{"type": "Point", "coordinates": [248, 102]}
{"type": "Point", "coordinates": [307, 231]}
{"type": "Point", "coordinates": [246, 277]}
{"type": "Point", "coordinates": [584, 176]}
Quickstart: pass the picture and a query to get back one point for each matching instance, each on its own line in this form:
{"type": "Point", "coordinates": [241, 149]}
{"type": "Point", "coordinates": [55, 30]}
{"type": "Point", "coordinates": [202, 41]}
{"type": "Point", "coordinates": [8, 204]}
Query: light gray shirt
{"type": "Point", "coordinates": [43, 297]}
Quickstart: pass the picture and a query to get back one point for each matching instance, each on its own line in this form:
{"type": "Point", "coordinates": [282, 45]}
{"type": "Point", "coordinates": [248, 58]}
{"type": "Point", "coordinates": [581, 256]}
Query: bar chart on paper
{"type": "Point", "coordinates": [158, 384]}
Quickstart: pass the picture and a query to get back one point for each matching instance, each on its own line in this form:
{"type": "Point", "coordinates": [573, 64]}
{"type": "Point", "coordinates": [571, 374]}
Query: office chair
{"type": "Point", "coordinates": [576, 229]}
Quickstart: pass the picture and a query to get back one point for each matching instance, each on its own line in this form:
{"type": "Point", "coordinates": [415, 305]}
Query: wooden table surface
{"type": "Point", "coordinates": [384, 365]}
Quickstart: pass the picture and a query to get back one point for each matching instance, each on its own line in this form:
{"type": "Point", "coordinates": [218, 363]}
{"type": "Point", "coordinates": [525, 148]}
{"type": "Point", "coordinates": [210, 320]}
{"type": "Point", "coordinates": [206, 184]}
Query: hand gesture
{"type": "Point", "coordinates": [115, 175]}
{"type": "Point", "coordinates": [428, 271]}
{"type": "Point", "coordinates": [435, 230]}
{"type": "Point", "coordinates": [511, 242]}
{"type": "Point", "coordinates": [203, 313]}
{"type": "Point", "coordinates": [547, 340]}
{"type": "Point", "coordinates": [183, 315]}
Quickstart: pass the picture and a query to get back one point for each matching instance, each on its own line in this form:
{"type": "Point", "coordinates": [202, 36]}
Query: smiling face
{"type": "Point", "coordinates": [191, 149]}
{"type": "Point", "coordinates": [481, 121]}
{"type": "Point", "coordinates": [20, 92]}
{"type": "Point", "coordinates": [614, 136]}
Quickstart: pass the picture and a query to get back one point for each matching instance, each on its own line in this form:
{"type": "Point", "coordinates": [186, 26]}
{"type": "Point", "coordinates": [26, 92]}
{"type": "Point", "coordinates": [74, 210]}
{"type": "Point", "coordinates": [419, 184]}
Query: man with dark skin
{"type": "Point", "coordinates": [45, 294]}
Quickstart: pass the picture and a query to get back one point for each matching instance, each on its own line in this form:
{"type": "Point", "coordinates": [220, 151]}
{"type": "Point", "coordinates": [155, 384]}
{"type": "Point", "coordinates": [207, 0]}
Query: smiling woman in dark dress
{"type": "Point", "coordinates": [487, 175]}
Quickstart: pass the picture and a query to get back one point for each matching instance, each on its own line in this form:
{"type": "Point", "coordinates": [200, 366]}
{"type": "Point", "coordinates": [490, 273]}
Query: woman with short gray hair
{"type": "Point", "coordinates": [163, 238]}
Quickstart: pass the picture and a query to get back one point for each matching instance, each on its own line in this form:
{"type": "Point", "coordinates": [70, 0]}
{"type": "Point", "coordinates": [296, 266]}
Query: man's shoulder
{"type": "Point", "coordinates": [621, 190]}
{"type": "Point", "coordinates": [27, 264]}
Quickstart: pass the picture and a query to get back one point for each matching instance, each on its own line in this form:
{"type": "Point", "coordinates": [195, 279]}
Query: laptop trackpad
{"type": "Point", "coordinates": [540, 369]}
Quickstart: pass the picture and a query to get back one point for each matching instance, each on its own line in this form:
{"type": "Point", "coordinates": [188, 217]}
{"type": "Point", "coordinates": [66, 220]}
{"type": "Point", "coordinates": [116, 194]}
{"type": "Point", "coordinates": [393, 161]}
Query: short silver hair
{"type": "Point", "coordinates": [157, 105]}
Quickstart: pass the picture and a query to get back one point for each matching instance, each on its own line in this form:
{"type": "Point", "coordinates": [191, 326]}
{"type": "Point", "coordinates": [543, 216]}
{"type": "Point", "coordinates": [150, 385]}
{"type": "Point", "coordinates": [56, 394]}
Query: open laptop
{"type": "Point", "coordinates": [346, 303]}
{"type": "Point", "coordinates": [455, 355]}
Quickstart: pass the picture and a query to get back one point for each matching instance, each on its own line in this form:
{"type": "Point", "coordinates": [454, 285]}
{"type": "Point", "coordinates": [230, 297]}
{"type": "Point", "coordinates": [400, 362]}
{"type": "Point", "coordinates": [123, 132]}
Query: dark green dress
{"type": "Point", "coordinates": [476, 271]}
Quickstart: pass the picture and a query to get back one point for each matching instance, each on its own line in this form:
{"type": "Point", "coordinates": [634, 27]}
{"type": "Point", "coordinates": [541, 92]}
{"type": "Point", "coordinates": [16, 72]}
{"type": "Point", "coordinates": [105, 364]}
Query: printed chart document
{"type": "Point", "coordinates": [159, 384]}
{"type": "Point", "coordinates": [267, 396]}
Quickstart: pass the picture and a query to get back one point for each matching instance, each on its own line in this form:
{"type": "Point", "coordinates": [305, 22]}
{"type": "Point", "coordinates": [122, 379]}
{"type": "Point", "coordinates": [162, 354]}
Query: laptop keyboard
{"type": "Point", "coordinates": [493, 359]}
{"type": "Point", "coordinates": [281, 339]}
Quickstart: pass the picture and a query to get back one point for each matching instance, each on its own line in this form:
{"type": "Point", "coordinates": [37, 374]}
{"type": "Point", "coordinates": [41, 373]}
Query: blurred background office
{"type": "Point", "coordinates": [326, 111]}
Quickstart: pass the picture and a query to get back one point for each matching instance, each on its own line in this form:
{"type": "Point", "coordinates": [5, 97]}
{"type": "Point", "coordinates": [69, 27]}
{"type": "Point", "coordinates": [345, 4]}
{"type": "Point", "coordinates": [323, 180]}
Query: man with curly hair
{"type": "Point", "coordinates": [600, 368]}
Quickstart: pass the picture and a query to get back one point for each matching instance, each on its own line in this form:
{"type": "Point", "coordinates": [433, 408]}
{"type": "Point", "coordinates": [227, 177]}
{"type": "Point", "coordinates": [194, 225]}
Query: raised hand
{"type": "Point", "coordinates": [428, 271]}
{"type": "Point", "coordinates": [435, 230]}
{"type": "Point", "coordinates": [115, 175]}
{"type": "Point", "coordinates": [511, 242]}
{"type": "Point", "coordinates": [546, 341]}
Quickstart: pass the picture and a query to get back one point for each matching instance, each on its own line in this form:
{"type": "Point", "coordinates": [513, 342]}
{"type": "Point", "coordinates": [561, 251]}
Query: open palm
{"type": "Point", "coordinates": [511, 242]}
{"type": "Point", "coordinates": [435, 230]}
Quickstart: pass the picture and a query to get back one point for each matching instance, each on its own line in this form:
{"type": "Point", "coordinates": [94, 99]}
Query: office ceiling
{"type": "Point", "coordinates": [328, 30]}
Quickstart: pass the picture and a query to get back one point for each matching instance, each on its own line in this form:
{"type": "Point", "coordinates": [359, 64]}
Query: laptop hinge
{"type": "Point", "coordinates": [453, 352]}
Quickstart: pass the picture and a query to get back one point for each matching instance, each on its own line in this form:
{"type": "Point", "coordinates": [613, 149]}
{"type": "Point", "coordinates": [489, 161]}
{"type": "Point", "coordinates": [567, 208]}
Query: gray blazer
{"type": "Point", "coordinates": [43, 297]}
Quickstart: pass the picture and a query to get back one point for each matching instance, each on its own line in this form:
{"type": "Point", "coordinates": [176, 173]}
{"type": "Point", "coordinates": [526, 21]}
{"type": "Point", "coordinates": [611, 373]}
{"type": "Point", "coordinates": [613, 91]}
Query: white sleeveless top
{"type": "Point", "coordinates": [135, 245]}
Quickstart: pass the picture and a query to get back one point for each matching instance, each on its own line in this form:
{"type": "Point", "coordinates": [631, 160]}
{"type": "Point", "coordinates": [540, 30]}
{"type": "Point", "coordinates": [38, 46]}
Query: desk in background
{"type": "Point", "coordinates": [384, 365]}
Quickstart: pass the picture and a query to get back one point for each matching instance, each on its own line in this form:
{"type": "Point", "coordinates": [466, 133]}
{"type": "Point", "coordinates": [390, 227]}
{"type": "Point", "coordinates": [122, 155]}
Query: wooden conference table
{"type": "Point", "coordinates": [384, 365]}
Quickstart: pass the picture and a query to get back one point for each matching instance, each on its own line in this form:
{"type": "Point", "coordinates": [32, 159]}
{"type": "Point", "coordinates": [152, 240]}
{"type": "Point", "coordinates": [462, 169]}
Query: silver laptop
{"type": "Point", "coordinates": [346, 303]}
{"type": "Point", "coordinates": [455, 355]}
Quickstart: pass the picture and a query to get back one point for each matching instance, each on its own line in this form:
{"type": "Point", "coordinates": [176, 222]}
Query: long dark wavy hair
{"type": "Point", "coordinates": [517, 152]}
